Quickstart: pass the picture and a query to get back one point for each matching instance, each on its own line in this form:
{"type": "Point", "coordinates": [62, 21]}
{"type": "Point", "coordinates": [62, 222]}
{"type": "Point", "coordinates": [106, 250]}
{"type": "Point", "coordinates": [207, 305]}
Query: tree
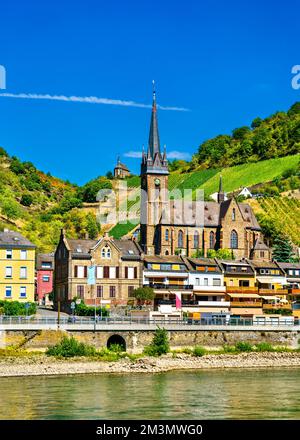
{"type": "Point", "coordinates": [295, 109]}
{"type": "Point", "coordinates": [143, 294]}
{"type": "Point", "coordinates": [283, 249]}
{"type": "Point", "coordinates": [11, 209]}
{"type": "Point", "coordinates": [222, 254]}
{"type": "Point", "coordinates": [26, 200]}
{"type": "Point", "coordinates": [160, 343]}
{"type": "Point", "coordinates": [92, 227]}
{"type": "Point", "coordinates": [109, 175]}
{"type": "Point", "coordinates": [240, 133]}
{"type": "Point", "coordinates": [256, 123]}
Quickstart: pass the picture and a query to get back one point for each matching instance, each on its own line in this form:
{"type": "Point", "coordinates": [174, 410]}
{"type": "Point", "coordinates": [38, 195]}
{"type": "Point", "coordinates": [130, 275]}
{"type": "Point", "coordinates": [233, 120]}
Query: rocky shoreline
{"type": "Point", "coordinates": [42, 365]}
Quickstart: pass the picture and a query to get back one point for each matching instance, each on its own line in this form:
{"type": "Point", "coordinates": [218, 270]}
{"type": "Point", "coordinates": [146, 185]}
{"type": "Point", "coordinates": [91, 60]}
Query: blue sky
{"type": "Point", "coordinates": [227, 62]}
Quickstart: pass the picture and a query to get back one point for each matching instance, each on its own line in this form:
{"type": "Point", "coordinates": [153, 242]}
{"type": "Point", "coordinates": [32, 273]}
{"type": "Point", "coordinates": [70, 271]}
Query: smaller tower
{"type": "Point", "coordinates": [221, 194]}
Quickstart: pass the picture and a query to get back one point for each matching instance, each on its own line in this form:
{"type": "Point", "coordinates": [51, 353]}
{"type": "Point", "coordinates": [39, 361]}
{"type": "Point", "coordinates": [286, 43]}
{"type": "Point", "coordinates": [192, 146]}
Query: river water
{"type": "Point", "coordinates": [210, 394]}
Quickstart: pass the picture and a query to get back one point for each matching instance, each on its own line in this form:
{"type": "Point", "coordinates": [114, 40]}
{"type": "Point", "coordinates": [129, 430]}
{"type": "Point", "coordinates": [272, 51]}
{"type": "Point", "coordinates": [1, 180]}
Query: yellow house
{"type": "Point", "coordinates": [17, 267]}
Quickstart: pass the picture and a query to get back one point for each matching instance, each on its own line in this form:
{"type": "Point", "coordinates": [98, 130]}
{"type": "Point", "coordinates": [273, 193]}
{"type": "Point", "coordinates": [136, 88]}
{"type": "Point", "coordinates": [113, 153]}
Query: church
{"type": "Point", "coordinates": [189, 228]}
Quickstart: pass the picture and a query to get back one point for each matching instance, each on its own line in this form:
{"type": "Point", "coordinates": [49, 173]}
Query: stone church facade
{"type": "Point", "coordinates": [180, 227]}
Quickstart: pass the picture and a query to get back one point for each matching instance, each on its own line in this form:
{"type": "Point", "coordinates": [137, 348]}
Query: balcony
{"type": "Point", "coordinates": [278, 306]}
{"type": "Point", "coordinates": [273, 291]}
{"type": "Point", "coordinates": [241, 289]}
{"type": "Point", "coordinates": [161, 286]}
{"type": "Point", "coordinates": [246, 304]}
{"type": "Point", "coordinates": [224, 304]}
{"type": "Point", "coordinates": [219, 289]}
{"type": "Point", "coordinates": [294, 291]}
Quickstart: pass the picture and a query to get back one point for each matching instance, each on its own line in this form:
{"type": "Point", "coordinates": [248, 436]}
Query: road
{"type": "Point", "coordinates": [43, 312]}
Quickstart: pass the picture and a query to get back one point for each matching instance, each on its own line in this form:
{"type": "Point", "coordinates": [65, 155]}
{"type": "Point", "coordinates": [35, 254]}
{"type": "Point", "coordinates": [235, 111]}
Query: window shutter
{"type": "Point", "coordinates": [106, 272]}
{"type": "Point", "coordinates": [76, 271]}
{"type": "Point", "coordinates": [135, 272]}
{"type": "Point", "coordinates": [126, 272]}
{"type": "Point", "coordinates": [85, 271]}
{"type": "Point", "coordinates": [117, 272]}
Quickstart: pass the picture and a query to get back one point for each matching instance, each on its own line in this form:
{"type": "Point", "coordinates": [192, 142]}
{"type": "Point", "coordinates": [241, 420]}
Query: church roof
{"type": "Point", "coordinates": [121, 166]}
{"type": "Point", "coordinates": [259, 245]}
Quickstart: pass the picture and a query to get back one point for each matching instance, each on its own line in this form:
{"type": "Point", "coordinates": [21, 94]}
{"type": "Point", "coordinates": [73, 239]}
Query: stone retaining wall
{"type": "Point", "coordinates": [137, 340]}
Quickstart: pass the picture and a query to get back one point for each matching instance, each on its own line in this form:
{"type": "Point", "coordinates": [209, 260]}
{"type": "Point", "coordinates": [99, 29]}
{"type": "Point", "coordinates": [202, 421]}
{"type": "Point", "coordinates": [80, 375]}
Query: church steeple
{"type": "Point", "coordinates": [153, 162]}
{"type": "Point", "coordinates": [221, 194]}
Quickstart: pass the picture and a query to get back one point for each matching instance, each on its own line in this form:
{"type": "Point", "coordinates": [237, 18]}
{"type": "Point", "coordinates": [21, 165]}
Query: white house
{"type": "Point", "coordinates": [245, 193]}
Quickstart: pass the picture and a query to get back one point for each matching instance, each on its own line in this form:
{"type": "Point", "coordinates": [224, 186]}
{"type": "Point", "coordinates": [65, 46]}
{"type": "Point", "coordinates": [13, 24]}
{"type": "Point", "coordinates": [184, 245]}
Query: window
{"type": "Point", "coordinates": [262, 254]}
{"type": "Point", "coordinates": [23, 255]}
{"type": "Point", "coordinates": [130, 290]}
{"type": "Point", "coordinates": [8, 272]}
{"type": "Point", "coordinates": [8, 291]}
{"type": "Point", "coordinates": [23, 272]}
{"type": "Point", "coordinates": [234, 240]}
{"type": "Point", "coordinates": [8, 254]}
{"type": "Point", "coordinates": [197, 281]}
{"type": "Point", "coordinates": [112, 291]}
{"type": "Point", "coordinates": [167, 253]}
{"type": "Point", "coordinates": [99, 271]}
{"type": "Point", "coordinates": [205, 281]}
{"type": "Point", "coordinates": [196, 240]}
{"type": "Point", "coordinates": [167, 235]}
{"type": "Point", "coordinates": [80, 292]}
{"type": "Point", "coordinates": [46, 265]}
{"type": "Point", "coordinates": [233, 215]}
{"type": "Point", "coordinates": [166, 267]}
{"type": "Point", "coordinates": [80, 271]}
{"type": "Point", "coordinates": [23, 292]}
{"type": "Point", "coordinates": [46, 278]}
{"type": "Point", "coordinates": [297, 272]}
{"type": "Point", "coordinates": [180, 239]}
{"type": "Point", "coordinates": [112, 272]}
{"type": "Point", "coordinates": [130, 273]}
{"type": "Point", "coordinates": [99, 291]}
{"type": "Point", "coordinates": [216, 282]}
{"type": "Point", "coordinates": [211, 240]}
{"type": "Point", "coordinates": [106, 272]}
{"type": "Point", "coordinates": [106, 252]}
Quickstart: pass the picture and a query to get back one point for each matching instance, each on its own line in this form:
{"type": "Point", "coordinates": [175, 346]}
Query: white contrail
{"type": "Point", "coordinates": [89, 100]}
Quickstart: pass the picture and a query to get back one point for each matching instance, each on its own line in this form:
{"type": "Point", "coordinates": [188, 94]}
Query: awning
{"type": "Point", "coordinates": [244, 295]}
{"type": "Point", "coordinates": [268, 298]}
{"type": "Point", "coordinates": [269, 279]}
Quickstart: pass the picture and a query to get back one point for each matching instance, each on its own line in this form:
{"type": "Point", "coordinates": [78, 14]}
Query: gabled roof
{"type": "Point", "coordinates": [14, 239]}
{"type": "Point", "coordinates": [288, 265]}
{"type": "Point", "coordinates": [259, 245]}
{"type": "Point", "coordinates": [121, 166]}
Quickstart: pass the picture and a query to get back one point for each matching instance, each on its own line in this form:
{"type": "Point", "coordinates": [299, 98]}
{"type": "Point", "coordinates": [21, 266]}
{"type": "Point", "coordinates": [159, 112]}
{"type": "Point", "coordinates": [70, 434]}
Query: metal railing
{"type": "Point", "coordinates": [211, 321]}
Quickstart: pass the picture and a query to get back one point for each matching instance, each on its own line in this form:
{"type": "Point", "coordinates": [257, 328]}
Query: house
{"type": "Point", "coordinates": [169, 277]}
{"type": "Point", "coordinates": [245, 193]}
{"type": "Point", "coordinates": [117, 264]}
{"type": "Point", "coordinates": [121, 171]}
{"type": "Point", "coordinates": [44, 277]}
{"type": "Point", "coordinates": [17, 263]}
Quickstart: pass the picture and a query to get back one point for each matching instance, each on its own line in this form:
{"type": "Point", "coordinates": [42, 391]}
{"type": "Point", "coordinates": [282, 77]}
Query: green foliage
{"type": "Point", "coordinates": [160, 343]}
{"type": "Point", "coordinates": [11, 209]}
{"type": "Point", "coordinates": [16, 308]}
{"type": "Point", "coordinates": [264, 346]}
{"type": "Point", "coordinates": [92, 227]}
{"type": "Point", "coordinates": [199, 351]}
{"type": "Point", "coordinates": [275, 136]}
{"type": "Point", "coordinates": [88, 193]}
{"type": "Point", "coordinates": [229, 348]}
{"type": "Point", "coordinates": [283, 249]}
{"type": "Point", "coordinates": [121, 229]}
{"type": "Point", "coordinates": [143, 294]}
{"type": "Point", "coordinates": [116, 348]}
{"type": "Point", "coordinates": [26, 200]}
{"type": "Point", "coordinates": [84, 310]}
{"type": "Point", "coordinates": [70, 347]}
{"type": "Point", "coordinates": [222, 254]}
{"type": "Point", "coordinates": [243, 346]}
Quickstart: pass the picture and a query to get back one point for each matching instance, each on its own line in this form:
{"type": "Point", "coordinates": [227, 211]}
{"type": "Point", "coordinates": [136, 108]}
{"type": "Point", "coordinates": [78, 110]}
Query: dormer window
{"type": "Point", "coordinates": [106, 252]}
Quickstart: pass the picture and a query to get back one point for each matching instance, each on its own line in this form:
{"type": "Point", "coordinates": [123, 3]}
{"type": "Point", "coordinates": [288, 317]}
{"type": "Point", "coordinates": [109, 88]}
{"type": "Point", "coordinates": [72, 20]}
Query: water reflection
{"type": "Point", "coordinates": [230, 394]}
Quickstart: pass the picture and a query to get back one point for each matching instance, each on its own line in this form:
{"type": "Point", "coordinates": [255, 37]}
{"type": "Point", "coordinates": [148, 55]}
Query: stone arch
{"type": "Point", "coordinates": [116, 339]}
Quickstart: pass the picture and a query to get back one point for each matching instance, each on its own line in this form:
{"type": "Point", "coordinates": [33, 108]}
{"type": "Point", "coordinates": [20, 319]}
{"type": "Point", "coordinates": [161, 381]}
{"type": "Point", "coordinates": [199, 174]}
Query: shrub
{"type": "Point", "coordinates": [199, 351]}
{"type": "Point", "coordinates": [229, 349]}
{"type": "Point", "coordinates": [243, 346]}
{"type": "Point", "coordinates": [70, 347]}
{"type": "Point", "coordinates": [264, 346]}
{"type": "Point", "coordinates": [116, 348]}
{"type": "Point", "coordinates": [16, 308]}
{"type": "Point", "coordinates": [160, 344]}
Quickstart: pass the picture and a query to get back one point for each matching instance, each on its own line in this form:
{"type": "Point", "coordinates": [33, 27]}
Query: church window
{"type": "Point", "coordinates": [196, 240]}
{"type": "Point", "coordinates": [233, 214]}
{"type": "Point", "coordinates": [211, 240]}
{"type": "Point", "coordinates": [167, 235]}
{"type": "Point", "coordinates": [106, 252]}
{"type": "Point", "coordinates": [180, 239]}
{"type": "Point", "coordinates": [234, 240]}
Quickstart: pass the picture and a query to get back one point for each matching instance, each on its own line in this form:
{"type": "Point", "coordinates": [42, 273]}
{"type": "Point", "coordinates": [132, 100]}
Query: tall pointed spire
{"type": "Point", "coordinates": [221, 194]}
{"type": "Point", "coordinates": [154, 143]}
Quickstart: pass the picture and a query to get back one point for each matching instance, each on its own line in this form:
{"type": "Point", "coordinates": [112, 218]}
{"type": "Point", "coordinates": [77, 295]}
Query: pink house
{"type": "Point", "coordinates": [44, 278]}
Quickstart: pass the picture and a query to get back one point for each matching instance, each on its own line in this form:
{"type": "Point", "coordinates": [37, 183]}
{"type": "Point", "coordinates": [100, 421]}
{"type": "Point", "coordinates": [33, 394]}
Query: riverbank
{"type": "Point", "coordinates": [40, 365]}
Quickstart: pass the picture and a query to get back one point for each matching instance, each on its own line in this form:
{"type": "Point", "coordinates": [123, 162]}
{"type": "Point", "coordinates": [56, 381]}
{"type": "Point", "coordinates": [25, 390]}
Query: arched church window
{"type": "Point", "coordinates": [180, 239]}
{"type": "Point", "coordinates": [167, 235]}
{"type": "Point", "coordinates": [234, 240]}
{"type": "Point", "coordinates": [211, 240]}
{"type": "Point", "coordinates": [233, 214]}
